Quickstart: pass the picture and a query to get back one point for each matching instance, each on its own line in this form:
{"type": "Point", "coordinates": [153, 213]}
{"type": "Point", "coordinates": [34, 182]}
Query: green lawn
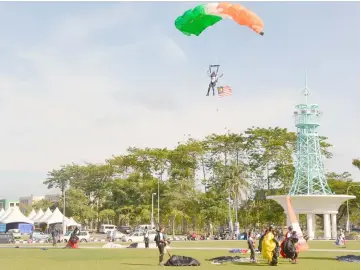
{"type": "Point", "coordinates": [103, 259]}
{"type": "Point", "coordinates": [351, 245]}
{"type": "Point", "coordinates": [354, 245]}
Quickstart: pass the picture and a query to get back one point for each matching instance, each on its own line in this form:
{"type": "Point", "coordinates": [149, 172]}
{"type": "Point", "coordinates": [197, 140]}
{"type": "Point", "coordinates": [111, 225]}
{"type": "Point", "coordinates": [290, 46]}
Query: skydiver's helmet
{"type": "Point", "coordinates": [290, 228]}
{"type": "Point", "coordinates": [213, 74]}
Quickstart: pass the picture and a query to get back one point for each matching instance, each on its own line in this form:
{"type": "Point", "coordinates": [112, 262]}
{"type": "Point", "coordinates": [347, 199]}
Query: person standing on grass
{"type": "Point", "coordinates": [146, 237]}
{"type": "Point", "coordinates": [160, 240]}
{"type": "Point", "coordinates": [261, 239]}
{"type": "Point", "coordinates": [54, 234]}
{"type": "Point", "coordinates": [251, 241]}
{"type": "Point", "coordinates": [270, 247]}
{"type": "Point", "coordinates": [114, 235]}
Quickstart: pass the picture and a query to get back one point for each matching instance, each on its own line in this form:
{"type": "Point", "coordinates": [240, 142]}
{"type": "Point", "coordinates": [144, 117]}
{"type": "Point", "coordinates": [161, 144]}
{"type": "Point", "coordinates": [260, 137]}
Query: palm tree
{"type": "Point", "coordinates": [236, 183]}
{"type": "Point", "coordinates": [356, 162]}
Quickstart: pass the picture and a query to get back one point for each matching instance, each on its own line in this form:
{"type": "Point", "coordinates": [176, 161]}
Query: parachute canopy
{"type": "Point", "coordinates": [195, 21]}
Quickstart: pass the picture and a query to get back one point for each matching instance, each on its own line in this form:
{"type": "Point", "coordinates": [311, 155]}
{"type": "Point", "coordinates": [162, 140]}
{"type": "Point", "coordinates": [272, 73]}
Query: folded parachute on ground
{"type": "Point", "coordinates": [182, 261]}
{"type": "Point", "coordinates": [195, 21]}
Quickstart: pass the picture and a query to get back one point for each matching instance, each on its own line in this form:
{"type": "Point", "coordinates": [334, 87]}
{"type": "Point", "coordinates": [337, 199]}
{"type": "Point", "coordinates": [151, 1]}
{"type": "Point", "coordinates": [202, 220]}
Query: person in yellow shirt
{"type": "Point", "coordinates": [270, 247]}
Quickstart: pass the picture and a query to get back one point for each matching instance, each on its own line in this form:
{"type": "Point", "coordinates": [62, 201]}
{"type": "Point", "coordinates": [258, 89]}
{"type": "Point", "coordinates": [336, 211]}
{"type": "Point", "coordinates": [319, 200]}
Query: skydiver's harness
{"type": "Point", "coordinates": [214, 83]}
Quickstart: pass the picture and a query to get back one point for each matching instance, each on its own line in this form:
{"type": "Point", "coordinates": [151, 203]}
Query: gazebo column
{"type": "Point", "coordinates": [314, 226]}
{"type": "Point", "coordinates": [326, 227]}
{"type": "Point", "coordinates": [334, 226]}
{"type": "Point", "coordinates": [310, 228]}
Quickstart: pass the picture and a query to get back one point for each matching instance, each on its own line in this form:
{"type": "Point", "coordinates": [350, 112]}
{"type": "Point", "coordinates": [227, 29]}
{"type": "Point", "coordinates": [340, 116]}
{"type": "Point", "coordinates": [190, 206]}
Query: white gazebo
{"type": "Point", "coordinates": [327, 205]}
{"type": "Point", "coordinates": [32, 214]}
{"type": "Point", "coordinates": [44, 217]}
{"type": "Point", "coordinates": [38, 215]}
{"type": "Point", "coordinates": [16, 216]}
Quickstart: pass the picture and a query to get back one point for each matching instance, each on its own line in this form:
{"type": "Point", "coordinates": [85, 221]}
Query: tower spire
{"type": "Point", "coordinates": [306, 91]}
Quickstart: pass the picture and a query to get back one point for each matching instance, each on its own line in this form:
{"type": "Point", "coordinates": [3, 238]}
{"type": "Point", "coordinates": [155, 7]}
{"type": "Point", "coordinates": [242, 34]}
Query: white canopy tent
{"type": "Point", "coordinates": [32, 214]}
{"type": "Point", "coordinates": [16, 217]}
{"type": "Point", "coordinates": [55, 217]}
{"type": "Point", "coordinates": [2, 211]}
{"type": "Point", "coordinates": [71, 222]}
{"type": "Point", "coordinates": [44, 217]}
{"type": "Point", "coordinates": [6, 214]}
{"type": "Point", "coordinates": [38, 215]}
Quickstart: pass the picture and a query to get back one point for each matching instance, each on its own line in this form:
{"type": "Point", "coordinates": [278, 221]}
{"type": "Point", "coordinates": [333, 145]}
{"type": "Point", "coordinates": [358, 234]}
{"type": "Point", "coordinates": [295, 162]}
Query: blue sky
{"type": "Point", "coordinates": [83, 81]}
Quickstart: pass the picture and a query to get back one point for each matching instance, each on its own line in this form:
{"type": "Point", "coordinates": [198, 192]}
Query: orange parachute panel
{"type": "Point", "coordinates": [242, 16]}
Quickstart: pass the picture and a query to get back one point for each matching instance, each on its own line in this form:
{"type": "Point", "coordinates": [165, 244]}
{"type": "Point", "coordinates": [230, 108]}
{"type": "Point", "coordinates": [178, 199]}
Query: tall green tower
{"type": "Point", "coordinates": [309, 176]}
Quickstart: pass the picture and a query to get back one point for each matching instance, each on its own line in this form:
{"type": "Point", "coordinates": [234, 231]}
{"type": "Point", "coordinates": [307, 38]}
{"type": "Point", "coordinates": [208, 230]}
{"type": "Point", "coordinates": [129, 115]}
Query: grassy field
{"type": "Point", "coordinates": [102, 259]}
{"type": "Point", "coordinates": [36, 258]}
{"type": "Point", "coordinates": [351, 245]}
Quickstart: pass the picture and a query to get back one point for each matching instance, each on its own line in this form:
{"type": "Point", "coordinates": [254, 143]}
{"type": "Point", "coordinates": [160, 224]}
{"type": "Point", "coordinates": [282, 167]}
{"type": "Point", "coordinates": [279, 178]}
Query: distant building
{"type": "Point", "coordinates": [30, 200]}
{"type": "Point", "coordinates": [54, 198]}
{"type": "Point", "coordinates": [6, 204]}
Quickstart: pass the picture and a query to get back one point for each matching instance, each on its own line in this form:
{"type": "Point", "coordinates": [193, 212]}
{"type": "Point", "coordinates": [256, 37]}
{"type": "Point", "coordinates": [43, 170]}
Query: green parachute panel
{"type": "Point", "coordinates": [195, 21]}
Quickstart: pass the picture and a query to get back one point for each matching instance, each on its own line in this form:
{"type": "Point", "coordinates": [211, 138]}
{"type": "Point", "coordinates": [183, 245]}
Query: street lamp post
{"type": "Point", "coordinates": [64, 226]}
{"type": "Point", "coordinates": [230, 213]}
{"type": "Point", "coordinates": [348, 213]}
{"type": "Point", "coordinates": [64, 190]}
{"type": "Point", "coordinates": [152, 218]}
{"type": "Point", "coordinates": [158, 201]}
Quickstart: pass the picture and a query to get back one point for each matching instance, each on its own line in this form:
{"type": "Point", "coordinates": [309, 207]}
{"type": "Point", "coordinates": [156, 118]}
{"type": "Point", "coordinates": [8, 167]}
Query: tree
{"type": "Point", "coordinates": [59, 178]}
{"type": "Point", "coordinates": [260, 160]}
{"type": "Point", "coordinates": [44, 204]}
{"type": "Point", "coordinates": [356, 163]}
{"type": "Point", "coordinates": [108, 215]}
{"type": "Point", "coordinates": [213, 208]}
{"type": "Point", "coordinates": [273, 150]}
{"type": "Point", "coordinates": [77, 206]}
{"type": "Point", "coordinates": [339, 183]}
{"type": "Point", "coordinates": [236, 183]}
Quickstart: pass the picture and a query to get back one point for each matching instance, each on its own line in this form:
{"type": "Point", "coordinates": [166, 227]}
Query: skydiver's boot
{"type": "Point", "coordinates": [209, 89]}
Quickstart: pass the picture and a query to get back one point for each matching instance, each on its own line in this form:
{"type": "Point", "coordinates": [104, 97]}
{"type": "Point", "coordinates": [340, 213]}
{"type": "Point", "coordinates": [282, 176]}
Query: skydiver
{"type": "Point", "coordinates": [214, 77]}
{"type": "Point", "coordinates": [213, 82]}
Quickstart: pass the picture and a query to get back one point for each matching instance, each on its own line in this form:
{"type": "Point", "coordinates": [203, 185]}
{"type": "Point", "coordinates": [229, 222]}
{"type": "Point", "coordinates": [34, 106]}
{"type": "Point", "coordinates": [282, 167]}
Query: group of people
{"type": "Point", "coordinates": [270, 247]}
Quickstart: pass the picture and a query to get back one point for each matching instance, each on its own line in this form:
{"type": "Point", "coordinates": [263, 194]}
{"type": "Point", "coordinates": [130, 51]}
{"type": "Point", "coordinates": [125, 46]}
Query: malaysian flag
{"type": "Point", "coordinates": [224, 91]}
